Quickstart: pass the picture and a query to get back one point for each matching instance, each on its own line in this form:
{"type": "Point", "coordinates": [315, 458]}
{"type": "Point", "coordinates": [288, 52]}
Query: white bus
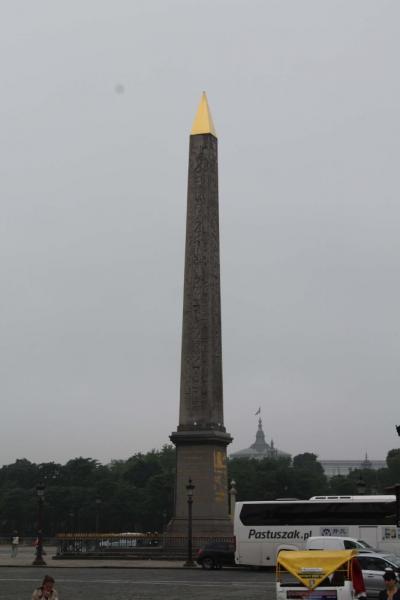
{"type": "Point", "coordinates": [262, 529]}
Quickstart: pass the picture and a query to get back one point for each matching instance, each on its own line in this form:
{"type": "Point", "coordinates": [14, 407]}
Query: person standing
{"type": "Point", "coordinates": [14, 544]}
{"type": "Point", "coordinates": [46, 591]}
{"type": "Point", "coordinates": [391, 591]}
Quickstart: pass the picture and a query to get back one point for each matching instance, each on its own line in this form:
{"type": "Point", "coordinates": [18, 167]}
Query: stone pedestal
{"type": "Point", "coordinates": [201, 456]}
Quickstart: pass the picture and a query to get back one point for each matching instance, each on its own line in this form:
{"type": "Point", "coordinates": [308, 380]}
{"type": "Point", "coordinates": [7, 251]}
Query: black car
{"type": "Point", "coordinates": [216, 554]}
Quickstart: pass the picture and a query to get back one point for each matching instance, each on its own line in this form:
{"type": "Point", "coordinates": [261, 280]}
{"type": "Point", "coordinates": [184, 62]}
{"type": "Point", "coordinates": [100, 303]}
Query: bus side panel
{"type": "Point", "coordinates": [260, 547]}
{"type": "Point", "coordinates": [369, 534]}
{"type": "Point", "coordinates": [249, 553]}
{"type": "Point", "coordinates": [388, 539]}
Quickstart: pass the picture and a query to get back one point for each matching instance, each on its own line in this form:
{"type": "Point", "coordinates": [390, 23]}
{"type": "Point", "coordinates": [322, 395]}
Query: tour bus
{"type": "Point", "coordinates": [262, 529]}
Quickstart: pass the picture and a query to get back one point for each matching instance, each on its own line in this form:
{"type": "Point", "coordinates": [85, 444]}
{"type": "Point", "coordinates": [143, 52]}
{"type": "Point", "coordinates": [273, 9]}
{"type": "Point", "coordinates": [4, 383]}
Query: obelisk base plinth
{"type": "Point", "coordinates": [201, 456]}
{"type": "Point", "coordinates": [201, 527]}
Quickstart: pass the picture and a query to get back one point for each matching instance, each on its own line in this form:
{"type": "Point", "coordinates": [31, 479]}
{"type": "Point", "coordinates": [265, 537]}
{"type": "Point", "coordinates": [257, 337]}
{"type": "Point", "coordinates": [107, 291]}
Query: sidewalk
{"type": "Point", "coordinates": [26, 556]}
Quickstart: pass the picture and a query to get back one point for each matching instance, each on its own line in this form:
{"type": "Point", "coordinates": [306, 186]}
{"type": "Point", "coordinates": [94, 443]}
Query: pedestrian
{"type": "Point", "coordinates": [14, 544]}
{"type": "Point", "coordinates": [391, 591]}
{"type": "Point", "coordinates": [46, 590]}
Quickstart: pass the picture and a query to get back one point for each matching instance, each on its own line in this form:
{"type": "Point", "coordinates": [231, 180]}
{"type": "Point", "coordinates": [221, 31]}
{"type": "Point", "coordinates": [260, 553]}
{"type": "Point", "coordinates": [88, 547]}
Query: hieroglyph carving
{"type": "Point", "coordinates": [201, 376]}
{"type": "Point", "coordinates": [220, 475]}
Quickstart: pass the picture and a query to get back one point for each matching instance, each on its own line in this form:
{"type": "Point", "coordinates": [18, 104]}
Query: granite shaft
{"type": "Point", "coordinates": [201, 398]}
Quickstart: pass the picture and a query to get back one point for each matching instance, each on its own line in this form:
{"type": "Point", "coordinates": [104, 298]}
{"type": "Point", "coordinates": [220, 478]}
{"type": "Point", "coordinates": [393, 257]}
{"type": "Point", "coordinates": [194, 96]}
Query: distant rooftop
{"type": "Point", "coordinates": [343, 467]}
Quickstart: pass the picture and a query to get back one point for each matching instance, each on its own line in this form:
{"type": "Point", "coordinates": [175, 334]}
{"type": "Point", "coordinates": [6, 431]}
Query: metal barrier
{"type": "Point", "coordinates": [135, 545]}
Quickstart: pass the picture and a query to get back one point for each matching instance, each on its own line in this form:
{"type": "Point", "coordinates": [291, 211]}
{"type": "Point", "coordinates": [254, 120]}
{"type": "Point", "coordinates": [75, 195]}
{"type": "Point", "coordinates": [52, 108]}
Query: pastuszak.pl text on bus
{"type": "Point", "coordinates": [294, 534]}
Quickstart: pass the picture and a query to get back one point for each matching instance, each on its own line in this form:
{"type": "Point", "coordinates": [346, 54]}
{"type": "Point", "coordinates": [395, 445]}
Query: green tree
{"type": "Point", "coordinates": [308, 476]}
{"type": "Point", "coordinates": [264, 479]}
{"type": "Point", "coordinates": [341, 485]}
{"type": "Point", "coordinates": [22, 473]}
{"type": "Point", "coordinates": [393, 463]}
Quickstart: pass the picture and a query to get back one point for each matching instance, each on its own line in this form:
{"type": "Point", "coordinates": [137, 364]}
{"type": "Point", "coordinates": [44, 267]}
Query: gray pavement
{"type": "Point", "coordinates": [139, 584]}
{"type": "Point", "coordinates": [26, 556]}
{"type": "Point", "coordinates": [128, 579]}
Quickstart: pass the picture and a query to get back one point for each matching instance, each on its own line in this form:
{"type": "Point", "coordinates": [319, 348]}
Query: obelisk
{"type": "Point", "coordinates": [201, 438]}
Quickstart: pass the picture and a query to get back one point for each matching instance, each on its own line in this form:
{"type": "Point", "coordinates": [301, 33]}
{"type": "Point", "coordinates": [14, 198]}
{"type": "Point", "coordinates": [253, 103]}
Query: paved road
{"type": "Point", "coordinates": [140, 584]}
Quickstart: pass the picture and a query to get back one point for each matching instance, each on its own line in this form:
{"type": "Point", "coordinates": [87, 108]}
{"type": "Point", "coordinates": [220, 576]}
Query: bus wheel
{"type": "Point", "coordinates": [208, 563]}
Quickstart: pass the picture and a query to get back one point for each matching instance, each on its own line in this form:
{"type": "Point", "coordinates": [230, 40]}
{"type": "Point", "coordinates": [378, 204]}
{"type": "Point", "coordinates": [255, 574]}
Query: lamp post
{"type": "Point", "coordinates": [232, 498]}
{"type": "Point", "coordinates": [190, 487]}
{"type": "Point", "coordinates": [98, 502]}
{"type": "Point", "coordinates": [39, 547]}
{"type": "Point", "coordinates": [361, 486]}
{"type": "Point", "coordinates": [71, 515]}
{"type": "Point", "coordinates": [71, 544]}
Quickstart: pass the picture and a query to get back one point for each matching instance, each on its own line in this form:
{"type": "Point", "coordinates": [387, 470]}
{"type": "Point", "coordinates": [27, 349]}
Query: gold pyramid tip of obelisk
{"type": "Point", "coordinates": [203, 122]}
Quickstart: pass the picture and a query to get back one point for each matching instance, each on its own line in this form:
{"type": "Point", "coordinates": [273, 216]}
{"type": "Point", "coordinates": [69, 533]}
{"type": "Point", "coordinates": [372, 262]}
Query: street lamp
{"type": "Point", "coordinates": [361, 485]}
{"type": "Point", "coordinates": [39, 547]}
{"type": "Point", "coordinates": [71, 515]}
{"type": "Point", "coordinates": [190, 487]}
{"type": "Point", "coordinates": [232, 498]}
{"type": "Point", "coordinates": [98, 502]}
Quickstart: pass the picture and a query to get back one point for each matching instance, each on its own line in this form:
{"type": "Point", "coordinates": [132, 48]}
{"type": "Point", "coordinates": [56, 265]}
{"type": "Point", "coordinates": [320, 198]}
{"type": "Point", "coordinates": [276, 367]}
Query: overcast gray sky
{"type": "Point", "coordinates": [97, 101]}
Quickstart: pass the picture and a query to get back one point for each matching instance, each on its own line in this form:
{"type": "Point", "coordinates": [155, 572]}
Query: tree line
{"type": "Point", "coordinates": [137, 494]}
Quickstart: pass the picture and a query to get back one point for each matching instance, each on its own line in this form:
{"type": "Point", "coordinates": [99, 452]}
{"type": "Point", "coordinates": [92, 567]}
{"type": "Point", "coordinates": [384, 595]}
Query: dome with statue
{"type": "Point", "coordinates": [260, 449]}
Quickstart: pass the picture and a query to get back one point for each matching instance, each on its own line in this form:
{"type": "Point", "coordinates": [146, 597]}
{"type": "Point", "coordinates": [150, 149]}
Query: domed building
{"type": "Point", "coordinates": [260, 449]}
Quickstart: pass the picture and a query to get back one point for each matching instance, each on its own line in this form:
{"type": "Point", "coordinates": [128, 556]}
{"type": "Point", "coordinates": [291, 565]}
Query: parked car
{"type": "Point", "coordinates": [337, 543]}
{"type": "Point", "coordinates": [373, 565]}
{"type": "Point", "coordinates": [215, 555]}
